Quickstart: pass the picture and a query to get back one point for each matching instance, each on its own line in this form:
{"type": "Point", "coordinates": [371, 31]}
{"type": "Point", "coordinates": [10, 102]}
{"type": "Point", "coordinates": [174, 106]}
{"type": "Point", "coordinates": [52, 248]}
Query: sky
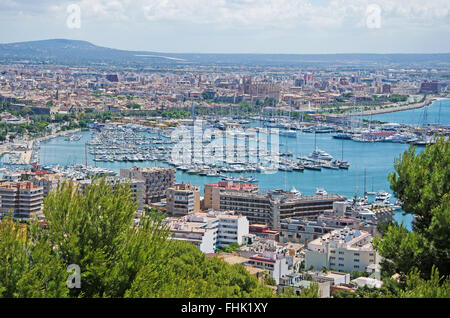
{"type": "Point", "coordinates": [235, 26]}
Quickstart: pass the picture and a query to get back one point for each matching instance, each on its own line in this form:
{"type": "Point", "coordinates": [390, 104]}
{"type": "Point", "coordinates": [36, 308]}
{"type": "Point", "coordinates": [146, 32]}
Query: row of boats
{"type": "Point", "coordinates": [79, 172]}
{"type": "Point", "coordinates": [382, 199]}
{"type": "Point", "coordinates": [127, 144]}
{"type": "Point", "coordinates": [402, 137]}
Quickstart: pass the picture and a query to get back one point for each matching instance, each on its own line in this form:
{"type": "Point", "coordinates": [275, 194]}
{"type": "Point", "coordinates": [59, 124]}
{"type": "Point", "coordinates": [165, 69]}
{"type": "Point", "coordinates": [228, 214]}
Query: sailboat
{"type": "Point", "coordinates": [341, 164]}
{"type": "Point", "coordinates": [318, 154]}
{"type": "Point", "coordinates": [371, 192]}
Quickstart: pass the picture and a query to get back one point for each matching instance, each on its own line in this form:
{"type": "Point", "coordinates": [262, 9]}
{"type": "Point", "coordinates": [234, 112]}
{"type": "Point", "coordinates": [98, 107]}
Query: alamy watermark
{"type": "Point", "coordinates": [73, 20]}
{"type": "Point", "coordinates": [74, 279]}
{"type": "Point", "coordinates": [197, 145]}
{"type": "Point", "coordinates": [373, 16]}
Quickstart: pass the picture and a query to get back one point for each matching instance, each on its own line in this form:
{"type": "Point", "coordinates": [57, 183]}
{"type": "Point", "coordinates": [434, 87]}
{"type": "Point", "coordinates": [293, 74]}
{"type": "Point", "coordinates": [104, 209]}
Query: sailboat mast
{"type": "Point", "coordinates": [315, 140]}
{"type": "Point", "coordinates": [365, 181]}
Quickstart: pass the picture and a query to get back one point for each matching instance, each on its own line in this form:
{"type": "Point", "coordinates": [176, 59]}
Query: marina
{"type": "Point", "coordinates": [305, 162]}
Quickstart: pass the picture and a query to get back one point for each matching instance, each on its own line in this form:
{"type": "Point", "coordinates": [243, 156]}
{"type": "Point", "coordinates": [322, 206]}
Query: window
{"type": "Point", "coordinates": [356, 260]}
{"type": "Point", "coordinates": [356, 266]}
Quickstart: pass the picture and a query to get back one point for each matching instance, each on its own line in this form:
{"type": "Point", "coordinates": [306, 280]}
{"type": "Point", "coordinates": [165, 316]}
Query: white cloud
{"type": "Point", "coordinates": [282, 14]}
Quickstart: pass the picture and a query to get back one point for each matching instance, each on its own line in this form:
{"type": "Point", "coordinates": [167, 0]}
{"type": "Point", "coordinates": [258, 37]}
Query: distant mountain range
{"type": "Point", "coordinates": [73, 52]}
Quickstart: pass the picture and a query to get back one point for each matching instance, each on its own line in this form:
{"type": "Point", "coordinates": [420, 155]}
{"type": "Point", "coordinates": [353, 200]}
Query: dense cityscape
{"type": "Point", "coordinates": [209, 176]}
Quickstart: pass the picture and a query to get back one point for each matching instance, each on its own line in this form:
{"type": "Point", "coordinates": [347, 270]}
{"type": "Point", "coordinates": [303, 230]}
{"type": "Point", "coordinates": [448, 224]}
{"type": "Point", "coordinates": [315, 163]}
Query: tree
{"type": "Point", "coordinates": [309, 292]}
{"type": "Point", "coordinates": [188, 273]}
{"type": "Point", "coordinates": [421, 182]}
{"type": "Point", "coordinates": [27, 267]}
{"type": "Point", "coordinates": [343, 293]}
{"type": "Point", "coordinates": [117, 255]}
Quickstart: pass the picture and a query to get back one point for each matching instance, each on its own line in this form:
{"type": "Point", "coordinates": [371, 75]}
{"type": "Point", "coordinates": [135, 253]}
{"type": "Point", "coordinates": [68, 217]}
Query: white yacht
{"type": "Point", "coordinates": [321, 191]}
{"type": "Point", "coordinates": [320, 155]}
{"type": "Point", "coordinates": [383, 198]}
{"type": "Point", "coordinates": [296, 192]}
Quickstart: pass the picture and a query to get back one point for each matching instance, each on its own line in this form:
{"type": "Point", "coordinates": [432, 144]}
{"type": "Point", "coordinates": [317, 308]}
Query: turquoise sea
{"type": "Point", "coordinates": [374, 160]}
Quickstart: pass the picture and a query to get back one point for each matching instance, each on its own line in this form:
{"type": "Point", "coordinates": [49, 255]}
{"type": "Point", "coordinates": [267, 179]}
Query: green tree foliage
{"type": "Point", "coordinates": [134, 106]}
{"type": "Point", "coordinates": [343, 293]}
{"type": "Point", "coordinates": [413, 286]}
{"type": "Point", "coordinates": [230, 248]}
{"type": "Point", "coordinates": [421, 182]}
{"type": "Point", "coordinates": [27, 266]}
{"type": "Point", "coordinates": [186, 272]}
{"type": "Point", "coordinates": [417, 287]}
{"type": "Point", "coordinates": [309, 292]}
{"type": "Point", "coordinates": [118, 256]}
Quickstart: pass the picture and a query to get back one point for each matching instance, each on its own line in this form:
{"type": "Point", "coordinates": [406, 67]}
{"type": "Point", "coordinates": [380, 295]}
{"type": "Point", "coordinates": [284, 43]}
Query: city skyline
{"type": "Point", "coordinates": [265, 26]}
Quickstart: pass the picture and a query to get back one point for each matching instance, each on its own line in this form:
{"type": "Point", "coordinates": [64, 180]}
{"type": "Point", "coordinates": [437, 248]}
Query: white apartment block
{"type": "Point", "coordinates": [209, 231]}
{"type": "Point", "coordinates": [342, 250]}
{"type": "Point", "coordinates": [276, 265]}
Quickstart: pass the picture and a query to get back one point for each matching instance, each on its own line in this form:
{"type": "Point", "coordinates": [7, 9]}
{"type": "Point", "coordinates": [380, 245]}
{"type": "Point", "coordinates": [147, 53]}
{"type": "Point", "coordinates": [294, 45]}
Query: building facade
{"type": "Point", "coordinates": [302, 231]}
{"type": "Point", "coordinates": [213, 190]}
{"type": "Point", "coordinates": [209, 231]}
{"type": "Point", "coordinates": [182, 199]}
{"type": "Point", "coordinates": [273, 206]}
{"type": "Point", "coordinates": [342, 250]}
{"type": "Point", "coordinates": [23, 199]}
{"type": "Point", "coordinates": [157, 181]}
{"type": "Point", "coordinates": [48, 182]}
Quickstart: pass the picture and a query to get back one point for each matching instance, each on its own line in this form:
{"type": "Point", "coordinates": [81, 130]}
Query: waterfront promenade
{"type": "Point", "coordinates": [26, 154]}
{"type": "Point", "coordinates": [394, 108]}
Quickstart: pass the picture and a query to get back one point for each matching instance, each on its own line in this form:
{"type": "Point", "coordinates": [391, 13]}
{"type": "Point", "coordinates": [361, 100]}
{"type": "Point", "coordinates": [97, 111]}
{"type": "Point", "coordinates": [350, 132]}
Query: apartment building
{"type": "Point", "coordinates": [275, 264]}
{"type": "Point", "coordinates": [297, 282]}
{"type": "Point", "coordinates": [343, 250]}
{"type": "Point", "coordinates": [157, 181]}
{"type": "Point", "coordinates": [271, 207]}
{"type": "Point", "coordinates": [136, 187]}
{"type": "Point", "coordinates": [24, 199]}
{"type": "Point", "coordinates": [302, 231]}
{"type": "Point", "coordinates": [48, 182]}
{"type": "Point", "coordinates": [182, 199]}
{"type": "Point", "coordinates": [213, 190]}
{"type": "Point", "coordinates": [209, 231]}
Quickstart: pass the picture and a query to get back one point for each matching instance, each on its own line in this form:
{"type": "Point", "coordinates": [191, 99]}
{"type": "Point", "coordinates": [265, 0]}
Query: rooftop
{"type": "Point", "coordinates": [230, 185]}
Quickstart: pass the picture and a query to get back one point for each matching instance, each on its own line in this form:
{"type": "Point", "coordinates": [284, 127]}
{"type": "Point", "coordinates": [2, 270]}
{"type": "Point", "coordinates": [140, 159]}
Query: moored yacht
{"type": "Point", "coordinates": [383, 198]}
{"type": "Point", "coordinates": [318, 154]}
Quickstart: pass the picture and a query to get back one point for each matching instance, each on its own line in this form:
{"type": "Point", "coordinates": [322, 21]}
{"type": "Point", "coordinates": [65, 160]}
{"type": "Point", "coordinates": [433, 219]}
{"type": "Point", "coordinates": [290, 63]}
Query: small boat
{"type": "Point", "coordinates": [321, 191]}
{"type": "Point", "coordinates": [329, 166]}
{"type": "Point", "coordinates": [288, 133]}
{"type": "Point", "coordinates": [310, 166]}
{"type": "Point", "coordinates": [343, 136]}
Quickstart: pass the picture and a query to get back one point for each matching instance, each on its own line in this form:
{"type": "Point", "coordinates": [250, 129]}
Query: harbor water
{"type": "Point", "coordinates": [370, 163]}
